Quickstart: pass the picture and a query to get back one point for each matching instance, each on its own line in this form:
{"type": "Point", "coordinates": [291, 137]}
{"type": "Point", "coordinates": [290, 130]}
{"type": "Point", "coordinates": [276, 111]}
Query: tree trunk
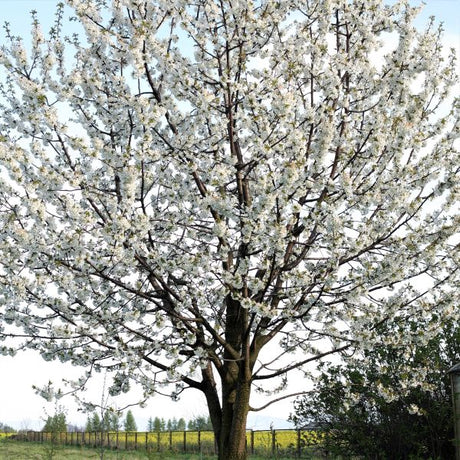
{"type": "Point", "coordinates": [235, 407]}
{"type": "Point", "coordinates": [229, 415]}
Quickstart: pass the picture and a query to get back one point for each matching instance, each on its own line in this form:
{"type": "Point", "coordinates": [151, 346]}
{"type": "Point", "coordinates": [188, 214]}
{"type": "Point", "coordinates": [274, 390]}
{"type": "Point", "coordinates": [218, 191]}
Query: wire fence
{"type": "Point", "coordinates": [270, 443]}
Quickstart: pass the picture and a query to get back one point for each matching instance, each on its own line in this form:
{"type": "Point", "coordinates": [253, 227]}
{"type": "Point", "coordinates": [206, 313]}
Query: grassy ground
{"type": "Point", "coordinates": [15, 450]}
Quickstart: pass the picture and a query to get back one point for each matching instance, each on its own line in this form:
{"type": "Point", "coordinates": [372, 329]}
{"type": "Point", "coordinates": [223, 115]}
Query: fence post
{"type": "Point", "coordinates": [126, 440]}
{"type": "Point", "coordinates": [185, 441]}
{"type": "Point", "coordinates": [170, 440]}
{"type": "Point", "coordinates": [135, 440]}
{"type": "Point", "coordinates": [252, 441]}
{"type": "Point", "coordinates": [199, 441]}
{"type": "Point", "coordinates": [273, 441]}
{"type": "Point", "coordinates": [158, 441]}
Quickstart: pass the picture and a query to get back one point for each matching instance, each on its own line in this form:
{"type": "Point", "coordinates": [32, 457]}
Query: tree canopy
{"type": "Point", "coordinates": [109, 422]}
{"type": "Point", "coordinates": [56, 423]}
{"type": "Point", "coordinates": [200, 423]}
{"type": "Point", "coordinates": [363, 406]}
{"type": "Point", "coordinates": [186, 183]}
{"type": "Point", "coordinates": [130, 423]}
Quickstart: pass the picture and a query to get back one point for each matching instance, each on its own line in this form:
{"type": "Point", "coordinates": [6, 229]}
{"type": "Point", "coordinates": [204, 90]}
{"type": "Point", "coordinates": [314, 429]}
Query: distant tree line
{"type": "Point", "coordinates": [110, 421]}
{"type": "Point", "coordinates": [4, 428]}
{"type": "Point", "coordinates": [199, 423]}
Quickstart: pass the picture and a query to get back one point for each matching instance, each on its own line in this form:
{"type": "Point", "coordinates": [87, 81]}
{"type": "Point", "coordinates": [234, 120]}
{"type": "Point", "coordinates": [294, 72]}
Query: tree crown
{"type": "Point", "coordinates": [200, 179]}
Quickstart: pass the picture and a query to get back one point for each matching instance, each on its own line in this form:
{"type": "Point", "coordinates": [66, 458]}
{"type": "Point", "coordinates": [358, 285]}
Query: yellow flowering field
{"type": "Point", "coordinates": [281, 441]}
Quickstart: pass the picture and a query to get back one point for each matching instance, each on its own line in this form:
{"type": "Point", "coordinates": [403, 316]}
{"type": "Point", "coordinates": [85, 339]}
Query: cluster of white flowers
{"type": "Point", "coordinates": [234, 155]}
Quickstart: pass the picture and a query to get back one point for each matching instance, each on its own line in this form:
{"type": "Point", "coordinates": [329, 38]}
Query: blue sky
{"type": "Point", "coordinates": [16, 12]}
{"type": "Point", "coordinates": [18, 403]}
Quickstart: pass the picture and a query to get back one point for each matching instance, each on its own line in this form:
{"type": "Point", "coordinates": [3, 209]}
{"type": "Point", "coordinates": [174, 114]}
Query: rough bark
{"type": "Point", "coordinates": [231, 432]}
{"type": "Point", "coordinates": [229, 418]}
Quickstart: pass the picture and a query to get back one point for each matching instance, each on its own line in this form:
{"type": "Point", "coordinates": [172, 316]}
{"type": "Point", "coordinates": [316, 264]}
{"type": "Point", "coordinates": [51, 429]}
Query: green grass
{"type": "Point", "coordinates": [261, 443]}
{"type": "Point", "coordinates": [17, 450]}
